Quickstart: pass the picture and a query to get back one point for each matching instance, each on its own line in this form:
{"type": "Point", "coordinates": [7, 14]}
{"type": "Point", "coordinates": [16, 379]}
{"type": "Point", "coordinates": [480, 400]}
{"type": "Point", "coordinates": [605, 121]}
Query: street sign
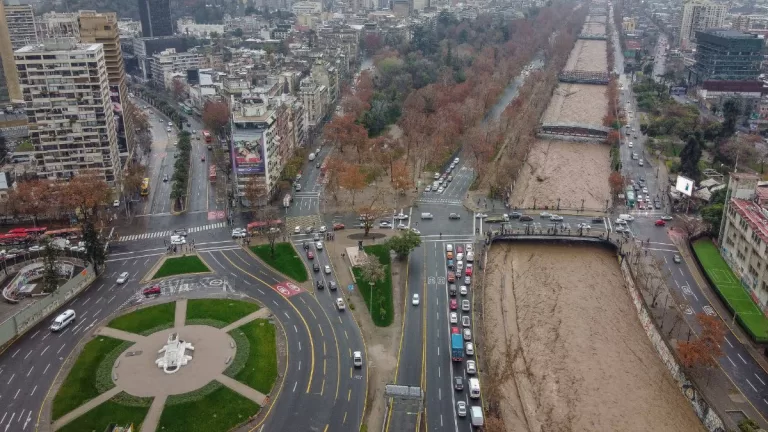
{"type": "Point", "coordinates": [351, 287]}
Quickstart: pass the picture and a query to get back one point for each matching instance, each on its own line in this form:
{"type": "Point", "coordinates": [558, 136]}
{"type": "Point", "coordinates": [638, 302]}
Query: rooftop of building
{"type": "Point", "coordinates": [729, 33]}
{"type": "Point", "coordinates": [62, 45]}
{"type": "Point", "coordinates": [754, 215]}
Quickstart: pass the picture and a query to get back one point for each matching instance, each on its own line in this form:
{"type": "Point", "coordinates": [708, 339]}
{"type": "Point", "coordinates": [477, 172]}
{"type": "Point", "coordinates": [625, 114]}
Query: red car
{"type": "Point", "coordinates": [641, 206]}
{"type": "Point", "coordinates": [459, 249]}
{"type": "Point", "coordinates": [468, 272]}
{"type": "Point", "coordinates": [454, 330]}
{"type": "Point", "coordinates": [310, 255]}
{"type": "Point", "coordinates": [454, 304]}
{"type": "Point", "coordinates": [451, 277]}
{"type": "Point", "coordinates": [660, 223]}
{"type": "Point", "coordinates": [338, 226]}
{"type": "Point", "coordinates": [152, 291]}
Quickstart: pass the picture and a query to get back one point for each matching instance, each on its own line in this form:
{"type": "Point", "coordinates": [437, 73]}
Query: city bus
{"type": "Point", "coordinates": [28, 231]}
{"type": "Point", "coordinates": [212, 173]}
{"type": "Point", "coordinates": [145, 187]}
{"type": "Point", "coordinates": [207, 136]}
{"type": "Point", "coordinates": [185, 109]}
{"type": "Point", "coordinates": [64, 233]}
{"type": "Point", "coordinates": [630, 196]}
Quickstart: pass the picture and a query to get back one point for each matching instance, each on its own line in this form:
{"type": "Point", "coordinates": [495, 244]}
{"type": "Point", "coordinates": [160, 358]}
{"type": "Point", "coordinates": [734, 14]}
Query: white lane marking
{"type": "Point", "coordinates": [46, 368]}
{"type": "Point", "coordinates": [299, 346]}
{"type": "Point", "coordinates": [30, 370]}
{"type": "Point", "coordinates": [33, 336]}
{"type": "Point", "coordinates": [748, 382]}
{"type": "Point", "coordinates": [438, 372]}
{"type": "Point", "coordinates": [46, 349]}
{"type": "Point", "coordinates": [729, 359]}
{"type": "Point", "coordinates": [295, 383]}
{"type": "Point", "coordinates": [286, 315]}
{"type": "Point", "coordinates": [10, 379]}
{"type": "Point", "coordinates": [17, 351]}
{"type": "Point", "coordinates": [742, 358]}
{"type": "Point", "coordinates": [259, 290]}
{"type": "Point", "coordinates": [3, 419]}
{"type": "Point", "coordinates": [46, 335]}
{"type": "Point", "coordinates": [299, 363]}
{"type": "Point", "coordinates": [295, 329]}
{"type": "Point", "coordinates": [440, 393]}
{"type": "Point", "coordinates": [14, 396]}
{"type": "Point", "coordinates": [30, 352]}
{"type": "Point", "coordinates": [113, 297]}
{"type": "Point", "coordinates": [33, 391]}
{"type": "Point", "coordinates": [21, 415]}
{"type": "Point", "coordinates": [759, 379]}
{"type": "Point", "coordinates": [729, 342]}
{"type": "Point", "coordinates": [62, 347]}
{"type": "Point", "coordinates": [275, 303]}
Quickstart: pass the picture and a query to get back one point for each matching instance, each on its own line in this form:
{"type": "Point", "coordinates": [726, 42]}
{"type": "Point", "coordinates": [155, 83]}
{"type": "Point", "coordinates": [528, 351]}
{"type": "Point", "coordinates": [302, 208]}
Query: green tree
{"type": "Point", "coordinates": [94, 246]}
{"type": "Point", "coordinates": [404, 243]}
{"type": "Point", "coordinates": [731, 112]}
{"type": "Point", "coordinates": [713, 214]}
{"type": "Point", "coordinates": [50, 276]}
{"type": "Point", "coordinates": [238, 32]}
{"type": "Point", "coordinates": [689, 159]}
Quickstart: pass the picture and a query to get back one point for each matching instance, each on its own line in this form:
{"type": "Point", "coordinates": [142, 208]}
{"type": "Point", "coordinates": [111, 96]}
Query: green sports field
{"type": "Point", "coordinates": [731, 290]}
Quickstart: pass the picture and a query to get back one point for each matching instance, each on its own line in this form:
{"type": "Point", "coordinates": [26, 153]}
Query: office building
{"type": "Point", "coordinates": [726, 55]}
{"type": "Point", "coordinates": [102, 28]}
{"type": "Point", "coordinates": [155, 18]}
{"type": "Point", "coordinates": [314, 96]}
{"type": "Point", "coordinates": [699, 15]}
{"type": "Point", "coordinates": [741, 22]}
{"type": "Point", "coordinates": [9, 80]}
{"type": "Point", "coordinates": [744, 234]}
{"type": "Point", "coordinates": [69, 110]}
{"type": "Point", "coordinates": [21, 25]}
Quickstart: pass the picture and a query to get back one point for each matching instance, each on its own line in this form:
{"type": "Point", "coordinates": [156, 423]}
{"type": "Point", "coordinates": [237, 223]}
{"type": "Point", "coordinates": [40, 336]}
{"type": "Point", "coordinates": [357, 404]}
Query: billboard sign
{"type": "Point", "coordinates": [247, 153]}
{"type": "Point", "coordinates": [678, 90]}
{"type": "Point", "coordinates": [684, 185]}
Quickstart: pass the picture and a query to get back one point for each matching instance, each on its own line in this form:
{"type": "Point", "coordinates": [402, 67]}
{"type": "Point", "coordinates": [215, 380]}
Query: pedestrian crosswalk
{"type": "Point", "coordinates": [445, 201]}
{"type": "Point", "coordinates": [307, 194]}
{"type": "Point", "coordinates": [161, 234]}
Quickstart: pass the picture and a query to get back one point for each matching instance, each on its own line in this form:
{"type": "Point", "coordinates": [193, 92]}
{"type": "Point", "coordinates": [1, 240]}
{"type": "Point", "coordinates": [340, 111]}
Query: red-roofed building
{"type": "Point", "coordinates": [744, 235]}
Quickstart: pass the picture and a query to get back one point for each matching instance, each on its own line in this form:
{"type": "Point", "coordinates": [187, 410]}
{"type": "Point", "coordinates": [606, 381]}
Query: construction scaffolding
{"type": "Point", "coordinates": [584, 77]}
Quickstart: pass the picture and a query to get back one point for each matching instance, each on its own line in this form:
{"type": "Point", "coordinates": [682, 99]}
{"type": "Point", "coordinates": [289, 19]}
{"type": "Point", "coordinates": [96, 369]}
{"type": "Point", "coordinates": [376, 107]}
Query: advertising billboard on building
{"type": "Point", "coordinates": [248, 152]}
{"type": "Point", "coordinates": [684, 185]}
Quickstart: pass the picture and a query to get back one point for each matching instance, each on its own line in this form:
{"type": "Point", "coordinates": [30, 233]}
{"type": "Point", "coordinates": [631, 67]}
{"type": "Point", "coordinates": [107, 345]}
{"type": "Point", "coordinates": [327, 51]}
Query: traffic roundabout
{"type": "Point", "coordinates": [184, 365]}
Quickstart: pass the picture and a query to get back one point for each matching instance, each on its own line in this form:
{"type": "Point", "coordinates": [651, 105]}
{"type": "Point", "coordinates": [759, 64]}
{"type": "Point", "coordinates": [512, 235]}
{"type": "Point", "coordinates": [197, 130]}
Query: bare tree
{"type": "Point", "coordinates": [692, 226]}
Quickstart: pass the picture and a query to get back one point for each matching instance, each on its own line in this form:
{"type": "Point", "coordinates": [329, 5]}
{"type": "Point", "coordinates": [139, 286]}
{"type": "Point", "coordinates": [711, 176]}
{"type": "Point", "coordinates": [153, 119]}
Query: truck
{"type": "Point", "coordinates": [287, 200]}
{"type": "Point", "coordinates": [457, 347]}
{"type": "Point", "coordinates": [476, 416]}
{"type": "Point", "coordinates": [497, 219]}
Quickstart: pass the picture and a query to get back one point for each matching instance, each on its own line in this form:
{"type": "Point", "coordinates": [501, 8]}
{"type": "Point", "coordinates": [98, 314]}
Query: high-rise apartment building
{"type": "Point", "coordinates": [21, 25]}
{"type": "Point", "coordinates": [96, 27]}
{"type": "Point", "coordinates": [165, 63]}
{"type": "Point", "coordinates": [65, 86]}
{"type": "Point", "coordinates": [699, 15]}
{"type": "Point", "coordinates": [54, 25]}
{"type": "Point", "coordinates": [155, 18]}
{"type": "Point", "coordinates": [741, 22]}
{"type": "Point", "coordinates": [9, 80]}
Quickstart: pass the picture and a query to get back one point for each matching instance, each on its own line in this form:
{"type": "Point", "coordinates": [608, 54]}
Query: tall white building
{"type": "Point", "coordinates": [314, 96]}
{"type": "Point", "coordinates": [21, 25]}
{"type": "Point", "coordinates": [71, 123]}
{"type": "Point", "coordinates": [699, 15]}
{"type": "Point", "coordinates": [165, 63]}
{"type": "Point", "coordinates": [54, 25]}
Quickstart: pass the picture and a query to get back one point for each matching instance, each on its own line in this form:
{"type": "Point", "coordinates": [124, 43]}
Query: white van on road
{"type": "Point", "coordinates": [64, 319]}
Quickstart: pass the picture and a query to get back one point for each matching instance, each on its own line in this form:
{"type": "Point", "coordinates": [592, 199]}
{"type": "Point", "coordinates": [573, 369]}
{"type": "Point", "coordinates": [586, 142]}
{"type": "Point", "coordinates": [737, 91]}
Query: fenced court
{"type": "Point", "coordinates": [729, 288]}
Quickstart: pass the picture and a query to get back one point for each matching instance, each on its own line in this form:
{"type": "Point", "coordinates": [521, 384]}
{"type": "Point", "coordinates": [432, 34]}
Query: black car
{"type": "Point", "coordinates": [452, 290]}
{"type": "Point", "coordinates": [597, 220]}
{"type": "Point", "coordinates": [454, 216]}
{"type": "Point", "coordinates": [332, 285]}
{"type": "Point", "coordinates": [320, 284]}
{"type": "Point", "coordinates": [458, 383]}
{"type": "Point", "coordinates": [515, 215]}
{"type": "Point", "coordinates": [525, 218]}
{"type": "Point", "coordinates": [316, 267]}
{"type": "Point", "coordinates": [305, 245]}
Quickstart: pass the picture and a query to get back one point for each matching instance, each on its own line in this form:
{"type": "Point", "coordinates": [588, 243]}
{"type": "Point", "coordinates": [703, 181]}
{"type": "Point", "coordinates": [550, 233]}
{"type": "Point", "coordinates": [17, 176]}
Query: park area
{"type": "Point", "coordinates": [571, 174]}
{"type": "Point", "coordinates": [565, 349]}
{"type": "Point", "coordinates": [208, 394]}
{"type": "Point", "coordinates": [181, 265]}
{"type": "Point", "coordinates": [379, 302]}
{"type": "Point", "coordinates": [285, 260]}
{"type": "Point", "coordinates": [730, 290]}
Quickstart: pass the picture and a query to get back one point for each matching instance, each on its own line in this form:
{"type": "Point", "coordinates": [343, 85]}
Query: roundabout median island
{"type": "Point", "coordinates": [187, 365]}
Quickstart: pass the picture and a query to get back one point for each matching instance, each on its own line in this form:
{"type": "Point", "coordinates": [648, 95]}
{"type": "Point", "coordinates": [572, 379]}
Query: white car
{"type": "Point", "coordinates": [468, 247]}
{"type": "Point", "coordinates": [415, 231]}
{"type": "Point", "coordinates": [465, 321]}
{"type": "Point", "coordinates": [471, 367]}
{"type": "Point", "coordinates": [461, 409]}
{"type": "Point", "coordinates": [178, 240]}
{"type": "Point", "coordinates": [415, 300]}
{"type": "Point", "coordinates": [123, 278]}
{"type": "Point", "coordinates": [585, 226]}
{"type": "Point", "coordinates": [556, 218]}
{"type": "Point", "coordinates": [323, 229]}
{"type": "Point", "coordinates": [340, 304]}
{"type": "Point", "coordinates": [666, 218]}
{"type": "Point", "coordinates": [357, 359]}
{"type": "Point", "coordinates": [297, 230]}
{"type": "Point", "coordinates": [465, 305]}
{"type": "Point", "coordinates": [545, 214]}
{"type": "Point", "coordinates": [327, 269]}
{"type": "Point", "coordinates": [454, 318]}
{"type": "Point", "coordinates": [467, 280]}
{"type": "Point", "coordinates": [630, 145]}
{"type": "Point", "coordinates": [238, 233]}
{"type": "Point", "coordinates": [116, 203]}
{"type": "Point", "coordinates": [463, 290]}
{"type": "Point", "coordinates": [64, 319]}
{"type": "Point", "coordinates": [319, 245]}
{"type": "Point", "coordinates": [469, 347]}
{"type": "Point", "coordinates": [468, 336]}
{"type": "Point", "coordinates": [401, 216]}
{"type": "Point", "coordinates": [385, 224]}
{"type": "Point", "coordinates": [436, 176]}
{"type": "Point", "coordinates": [456, 161]}
{"type": "Point", "coordinates": [645, 190]}
{"type": "Point", "coordinates": [440, 190]}
{"type": "Point", "coordinates": [428, 189]}
{"type": "Point", "coordinates": [36, 248]}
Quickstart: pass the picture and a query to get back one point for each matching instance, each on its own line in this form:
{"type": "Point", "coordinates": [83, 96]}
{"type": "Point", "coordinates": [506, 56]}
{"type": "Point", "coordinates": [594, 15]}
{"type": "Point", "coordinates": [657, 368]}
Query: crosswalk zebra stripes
{"type": "Point", "coordinates": [167, 233]}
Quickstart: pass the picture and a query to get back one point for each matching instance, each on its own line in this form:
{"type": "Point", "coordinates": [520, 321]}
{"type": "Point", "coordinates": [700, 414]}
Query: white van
{"type": "Point", "coordinates": [426, 216]}
{"type": "Point", "coordinates": [627, 217]}
{"type": "Point", "coordinates": [63, 320]}
{"type": "Point", "coordinates": [474, 388]}
{"type": "Point", "coordinates": [470, 256]}
{"type": "Point", "coordinates": [311, 156]}
{"type": "Point", "coordinates": [448, 247]}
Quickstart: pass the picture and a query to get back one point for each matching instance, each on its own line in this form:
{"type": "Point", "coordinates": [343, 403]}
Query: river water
{"type": "Point", "coordinates": [510, 92]}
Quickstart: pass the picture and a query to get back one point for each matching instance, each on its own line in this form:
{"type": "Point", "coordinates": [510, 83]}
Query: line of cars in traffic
{"type": "Point", "coordinates": [441, 181]}
{"type": "Point", "coordinates": [459, 271]}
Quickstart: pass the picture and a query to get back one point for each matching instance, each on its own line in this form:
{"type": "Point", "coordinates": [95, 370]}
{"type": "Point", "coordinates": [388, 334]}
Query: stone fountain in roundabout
{"type": "Point", "coordinates": [174, 354]}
